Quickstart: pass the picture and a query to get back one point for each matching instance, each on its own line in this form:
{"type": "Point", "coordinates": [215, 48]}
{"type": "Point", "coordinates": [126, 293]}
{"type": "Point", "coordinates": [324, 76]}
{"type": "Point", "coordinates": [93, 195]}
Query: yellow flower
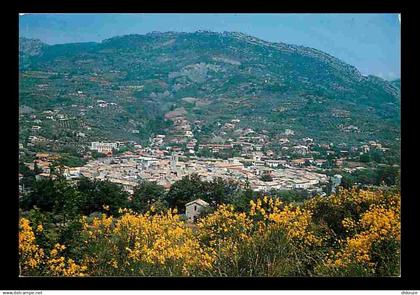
{"type": "Point", "coordinates": [39, 228]}
{"type": "Point", "coordinates": [30, 254]}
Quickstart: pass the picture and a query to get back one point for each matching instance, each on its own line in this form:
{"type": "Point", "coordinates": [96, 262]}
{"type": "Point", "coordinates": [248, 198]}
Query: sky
{"type": "Point", "coordinates": [370, 42]}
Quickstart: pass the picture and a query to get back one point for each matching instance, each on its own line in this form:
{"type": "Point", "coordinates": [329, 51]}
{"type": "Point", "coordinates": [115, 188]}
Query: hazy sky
{"type": "Point", "coordinates": [370, 42]}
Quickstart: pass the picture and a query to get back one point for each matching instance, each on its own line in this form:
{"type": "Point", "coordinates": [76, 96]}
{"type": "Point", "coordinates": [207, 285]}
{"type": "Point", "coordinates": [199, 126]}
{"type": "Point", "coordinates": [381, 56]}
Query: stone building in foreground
{"type": "Point", "coordinates": [194, 208]}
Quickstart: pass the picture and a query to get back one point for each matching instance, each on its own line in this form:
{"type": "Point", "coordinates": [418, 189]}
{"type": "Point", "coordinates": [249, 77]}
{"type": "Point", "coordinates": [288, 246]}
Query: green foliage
{"type": "Point", "coordinates": [266, 177]}
{"type": "Point", "coordinates": [147, 194]}
{"type": "Point", "coordinates": [28, 179]}
{"type": "Point", "coordinates": [70, 235]}
{"type": "Point", "coordinates": [185, 190]}
{"type": "Point", "coordinates": [97, 155]}
{"type": "Point", "coordinates": [70, 160]}
{"type": "Point", "coordinates": [220, 191]}
{"type": "Point", "coordinates": [97, 194]}
{"type": "Point", "coordinates": [60, 197]}
{"type": "Point", "coordinates": [268, 255]}
{"type": "Point", "coordinates": [386, 254]}
{"type": "Point", "coordinates": [290, 196]}
{"type": "Point", "coordinates": [241, 201]}
{"type": "Point", "coordinates": [388, 175]}
{"type": "Point", "coordinates": [215, 192]}
{"type": "Point", "coordinates": [50, 195]}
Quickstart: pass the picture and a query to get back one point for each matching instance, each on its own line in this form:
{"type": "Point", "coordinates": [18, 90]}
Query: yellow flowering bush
{"type": "Point", "coordinates": [262, 210]}
{"type": "Point", "coordinates": [351, 233]}
{"type": "Point", "coordinates": [222, 233]}
{"type": "Point", "coordinates": [345, 205]}
{"type": "Point", "coordinates": [292, 218]}
{"type": "Point", "coordinates": [60, 266]}
{"type": "Point", "coordinates": [297, 223]}
{"type": "Point", "coordinates": [225, 229]}
{"type": "Point", "coordinates": [30, 254]}
{"type": "Point", "coordinates": [376, 237]}
{"type": "Point", "coordinates": [158, 243]}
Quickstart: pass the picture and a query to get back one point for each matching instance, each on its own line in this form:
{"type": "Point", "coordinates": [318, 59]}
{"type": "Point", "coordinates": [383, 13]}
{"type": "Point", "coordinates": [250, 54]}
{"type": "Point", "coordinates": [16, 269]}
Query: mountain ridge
{"type": "Point", "coordinates": [282, 45]}
{"type": "Point", "coordinates": [271, 86]}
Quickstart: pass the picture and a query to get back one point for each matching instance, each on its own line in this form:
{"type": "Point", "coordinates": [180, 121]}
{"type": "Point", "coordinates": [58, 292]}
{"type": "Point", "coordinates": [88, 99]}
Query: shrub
{"type": "Point", "coordinates": [351, 233]}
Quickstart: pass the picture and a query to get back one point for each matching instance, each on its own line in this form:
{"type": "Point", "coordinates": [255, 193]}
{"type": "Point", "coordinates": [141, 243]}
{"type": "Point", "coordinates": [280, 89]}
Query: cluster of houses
{"type": "Point", "coordinates": [164, 166]}
{"type": "Point", "coordinates": [181, 131]}
{"type": "Point", "coordinates": [365, 148]}
{"type": "Point", "coordinates": [129, 168]}
{"type": "Point", "coordinates": [43, 163]}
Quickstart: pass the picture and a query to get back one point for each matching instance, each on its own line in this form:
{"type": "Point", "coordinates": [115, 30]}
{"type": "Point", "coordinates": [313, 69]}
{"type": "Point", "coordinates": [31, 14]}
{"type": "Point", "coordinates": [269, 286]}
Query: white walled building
{"type": "Point", "coordinates": [103, 147]}
{"type": "Point", "coordinates": [194, 208]}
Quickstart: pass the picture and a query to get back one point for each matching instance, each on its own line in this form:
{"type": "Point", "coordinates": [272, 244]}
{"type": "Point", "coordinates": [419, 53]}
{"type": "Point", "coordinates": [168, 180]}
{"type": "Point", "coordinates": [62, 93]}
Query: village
{"type": "Point", "coordinates": [164, 168]}
{"type": "Point", "coordinates": [243, 155]}
{"type": "Point", "coordinates": [129, 168]}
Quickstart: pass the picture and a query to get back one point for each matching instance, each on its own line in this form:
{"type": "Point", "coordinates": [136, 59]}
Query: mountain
{"type": "Point", "coordinates": [212, 77]}
{"type": "Point", "coordinates": [396, 83]}
{"type": "Point", "coordinates": [31, 47]}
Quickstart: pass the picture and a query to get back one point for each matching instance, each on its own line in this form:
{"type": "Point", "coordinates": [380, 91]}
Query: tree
{"type": "Point", "coordinates": [97, 155]}
{"type": "Point", "coordinates": [97, 194]}
{"type": "Point", "coordinates": [241, 202]}
{"type": "Point", "coordinates": [365, 158]}
{"type": "Point", "coordinates": [37, 170]}
{"type": "Point", "coordinates": [28, 179]}
{"type": "Point", "coordinates": [57, 168]}
{"type": "Point", "coordinates": [185, 190]}
{"type": "Point", "coordinates": [219, 191]}
{"type": "Point", "coordinates": [50, 195]}
{"type": "Point", "coordinates": [291, 196]}
{"type": "Point", "coordinates": [146, 194]}
{"type": "Point", "coordinates": [24, 170]}
{"type": "Point", "coordinates": [70, 160]}
{"type": "Point", "coordinates": [347, 181]}
{"type": "Point", "coordinates": [388, 175]}
{"type": "Point", "coordinates": [266, 177]}
{"type": "Point", "coordinates": [191, 187]}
